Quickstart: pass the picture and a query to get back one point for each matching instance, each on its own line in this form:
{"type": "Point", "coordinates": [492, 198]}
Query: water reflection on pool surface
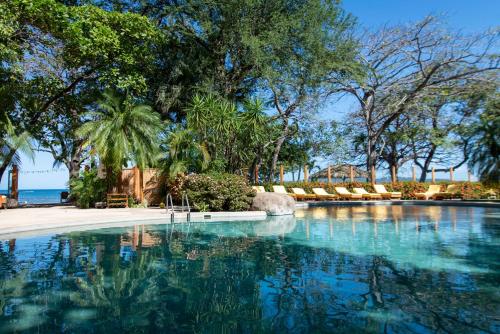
{"type": "Point", "coordinates": [346, 269]}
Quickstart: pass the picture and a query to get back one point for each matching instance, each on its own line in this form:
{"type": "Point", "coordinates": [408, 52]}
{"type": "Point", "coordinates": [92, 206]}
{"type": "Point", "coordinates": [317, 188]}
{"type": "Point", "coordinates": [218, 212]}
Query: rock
{"type": "Point", "coordinates": [12, 203]}
{"type": "Point", "coordinates": [100, 205]}
{"type": "Point", "coordinates": [278, 225]}
{"type": "Point", "coordinates": [274, 204]}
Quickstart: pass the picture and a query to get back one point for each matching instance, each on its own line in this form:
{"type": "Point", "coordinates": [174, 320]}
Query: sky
{"type": "Point", "coordinates": [467, 15]}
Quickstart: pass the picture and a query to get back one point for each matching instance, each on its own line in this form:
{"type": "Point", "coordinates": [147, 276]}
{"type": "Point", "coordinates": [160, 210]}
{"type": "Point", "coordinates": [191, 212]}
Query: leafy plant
{"type": "Point", "coordinates": [88, 189]}
{"type": "Point", "coordinates": [214, 192]}
{"type": "Point", "coordinates": [486, 147]}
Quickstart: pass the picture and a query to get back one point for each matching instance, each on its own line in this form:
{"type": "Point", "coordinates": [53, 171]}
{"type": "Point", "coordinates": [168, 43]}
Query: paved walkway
{"type": "Point", "coordinates": [65, 218]}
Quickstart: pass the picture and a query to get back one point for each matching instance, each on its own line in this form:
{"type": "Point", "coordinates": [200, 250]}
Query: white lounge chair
{"type": "Point", "coordinates": [344, 193]}
{"type": "Point", "coordinates": [380, 189]}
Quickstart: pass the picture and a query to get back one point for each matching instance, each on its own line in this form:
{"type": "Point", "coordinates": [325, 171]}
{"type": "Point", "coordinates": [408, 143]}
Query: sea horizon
{"type": "Point", "coordinates": [39, 196]}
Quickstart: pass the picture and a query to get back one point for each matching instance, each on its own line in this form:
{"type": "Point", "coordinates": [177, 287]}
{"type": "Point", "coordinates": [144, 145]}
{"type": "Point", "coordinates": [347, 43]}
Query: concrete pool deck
{"type": "Point", "coordinates": [67, 217]}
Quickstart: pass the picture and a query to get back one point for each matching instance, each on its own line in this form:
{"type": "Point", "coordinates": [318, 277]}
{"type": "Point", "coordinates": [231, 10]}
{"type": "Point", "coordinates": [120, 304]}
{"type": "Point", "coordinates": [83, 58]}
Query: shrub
{"type": "Point", "coordinates": [88, 189]}
{"type": "Point", "coordinates": [214, 192]}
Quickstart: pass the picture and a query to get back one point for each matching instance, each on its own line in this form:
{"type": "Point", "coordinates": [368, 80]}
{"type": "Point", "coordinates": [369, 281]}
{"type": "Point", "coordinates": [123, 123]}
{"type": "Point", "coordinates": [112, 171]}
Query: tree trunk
{"type": "Point", "coordinates": [74, 169]}
{"type": "Point", "coordinates": [427, 163]}
{"type": "Point", "coordinates": [371, 158]}
{"type": "Point", "coordinates": [371, 140]}
{"type": "Point", "coordinates": [277, 150]}
{"type": "Point", "coordinates": [274, 162]}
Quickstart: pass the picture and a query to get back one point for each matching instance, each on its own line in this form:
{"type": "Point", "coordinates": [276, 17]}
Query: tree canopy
{"type": "Point", "coordinates": [238, 86]}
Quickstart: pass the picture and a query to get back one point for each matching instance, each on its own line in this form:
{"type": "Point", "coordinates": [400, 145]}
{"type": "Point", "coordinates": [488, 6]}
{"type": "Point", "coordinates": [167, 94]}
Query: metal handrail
{"type": "Point", "coordinates": [172, 214]}
{"type": "Point", "coordinates": [170, 204]}
{"type": "Point", "coordinates": [188, 216]}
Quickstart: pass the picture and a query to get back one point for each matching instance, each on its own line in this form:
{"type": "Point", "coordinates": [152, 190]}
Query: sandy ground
{"type": "Point", "coordinates": [64, 217]}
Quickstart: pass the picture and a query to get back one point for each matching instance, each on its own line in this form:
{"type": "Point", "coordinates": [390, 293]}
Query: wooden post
{"type": "Point", "coordinates": [282, 174]}
{"type": "Point", "coordinates": [433, 175]}
{"type": "Point", "coordinates": [329, 174]}
{"type": "Point", "coordinates": [469, 176]}
{"type": "Point", "coordinates": [451, 174]}
{"type": "Point", "coordinates": [119, 180]}
{"type": "Point", "coordinates": [141, 185]}
{"type": "Point", "coordinates": [306, 174]}
{"type": "Point", "coordinates": [256, 174]}
{"type": "Point", "coordinates": [137, 180]}
{"type": "Point", "coordinates": [414, 174]}
{"type": "Point", "coordinates": [14, 193]}
{"type": "Point", "coordinates": [351, 172]}
{"type": "Point", "coordinates": [393, 174]}
{"type": "Point", "coordinates": [374, 176]}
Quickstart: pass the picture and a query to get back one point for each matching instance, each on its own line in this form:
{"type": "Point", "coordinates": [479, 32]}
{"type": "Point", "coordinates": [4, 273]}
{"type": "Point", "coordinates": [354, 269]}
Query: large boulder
{"type": "Point", "coordinates": [274, 204]}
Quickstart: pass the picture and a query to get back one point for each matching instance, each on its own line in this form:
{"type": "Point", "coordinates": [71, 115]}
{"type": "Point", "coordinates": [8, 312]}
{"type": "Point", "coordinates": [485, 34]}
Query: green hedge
{"type": "Point", "coordinates": [214, 192]}
{"type": "Point", "coordinates": [470, 190]}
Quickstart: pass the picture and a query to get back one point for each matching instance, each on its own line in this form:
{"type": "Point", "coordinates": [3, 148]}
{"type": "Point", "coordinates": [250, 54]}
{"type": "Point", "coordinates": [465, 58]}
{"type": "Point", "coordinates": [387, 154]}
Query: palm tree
{"type": "Point", "coordinates": [12, 144]}
{"type": "Point", "coordinates": [185, 154]}
{"type": "Point", "coordinates": [120, 131]}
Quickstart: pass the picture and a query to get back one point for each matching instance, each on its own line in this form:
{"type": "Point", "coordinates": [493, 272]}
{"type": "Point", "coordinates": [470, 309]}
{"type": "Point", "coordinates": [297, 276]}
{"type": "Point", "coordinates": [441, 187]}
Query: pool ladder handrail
{"type": "Point", "coordinates": [170, 206]}
{"type": "Point", "coordinates": [188, 215]}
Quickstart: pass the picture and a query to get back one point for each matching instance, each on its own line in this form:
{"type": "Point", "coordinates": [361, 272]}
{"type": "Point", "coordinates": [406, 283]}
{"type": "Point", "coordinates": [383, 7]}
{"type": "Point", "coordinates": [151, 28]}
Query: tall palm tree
{"type": "Point", "coordinates": [120, 131]}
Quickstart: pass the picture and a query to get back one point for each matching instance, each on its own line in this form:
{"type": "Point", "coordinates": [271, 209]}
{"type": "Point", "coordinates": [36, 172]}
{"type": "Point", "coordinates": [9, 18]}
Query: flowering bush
{"type": "Point", "coordinates": [214, 192]}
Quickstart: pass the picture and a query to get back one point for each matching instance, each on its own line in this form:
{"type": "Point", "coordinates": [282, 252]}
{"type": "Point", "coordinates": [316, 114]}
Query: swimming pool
{"type": "Point", "coordinates": [405, 269]}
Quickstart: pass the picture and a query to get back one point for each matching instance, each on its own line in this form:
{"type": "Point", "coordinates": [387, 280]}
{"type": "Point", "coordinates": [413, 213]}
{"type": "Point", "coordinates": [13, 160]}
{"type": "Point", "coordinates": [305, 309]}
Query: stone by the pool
{"type": "Point", "coordinates": [274, 204]}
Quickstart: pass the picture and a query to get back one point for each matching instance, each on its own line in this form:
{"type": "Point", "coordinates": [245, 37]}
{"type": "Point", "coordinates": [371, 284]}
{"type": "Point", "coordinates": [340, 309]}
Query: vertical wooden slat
{"type": "Point", "coordinates": [374, 176]}
{"type": "Point", "coordinates": [282, 174]}
{"type": "Point", "coordinates": [414, 174]}
{"type": "Point", "coordinates": [433, 175]}
{"type": "Point", "coordinates": [451, 174]}
{"type": "Point", "coordinates": [329, 174]}
{"type": "Point", "coordinates": [137, 188]}
{"type": "Point", "coordinates": [141, 185]}
{"type": "Point", "coordinates": [351, 172]}
{"type": "Point", "coordinates": [306, 174]}
{"type": "Point", "coordinates": [393, 175]}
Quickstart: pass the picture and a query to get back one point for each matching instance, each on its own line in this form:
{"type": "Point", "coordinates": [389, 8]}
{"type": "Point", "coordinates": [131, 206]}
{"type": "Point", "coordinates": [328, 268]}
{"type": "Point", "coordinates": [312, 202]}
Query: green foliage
{"type": "Point", "coordinates": [185, 153]}
{"type": "Point", "coordinates": [120, 131]}
{"type": "Point", "coordinates": [88, 189]}
{"type": "Point", "coordinates": [314, 139]}
{"type": "Point", "coordinates": [486, 147]}
{"type": "Point", "coordinates": [118, 44]}
{"type": "Point", "coordinates": [215, 192]}
{"type": "Point", "coordinates": [218, 137]}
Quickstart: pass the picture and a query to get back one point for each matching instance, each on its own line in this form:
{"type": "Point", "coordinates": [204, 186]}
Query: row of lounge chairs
{"type": "Point", "coordinates": [434, 192]}
{"type": "Point", "coordinates": [342, 193]}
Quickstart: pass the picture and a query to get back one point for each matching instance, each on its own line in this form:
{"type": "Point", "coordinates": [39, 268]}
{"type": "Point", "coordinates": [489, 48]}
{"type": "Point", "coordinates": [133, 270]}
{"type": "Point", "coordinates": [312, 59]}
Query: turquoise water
{"type": "Point", "coordinates": [40, 196]}
{"type": "Point", "coordinates": [379, 269]}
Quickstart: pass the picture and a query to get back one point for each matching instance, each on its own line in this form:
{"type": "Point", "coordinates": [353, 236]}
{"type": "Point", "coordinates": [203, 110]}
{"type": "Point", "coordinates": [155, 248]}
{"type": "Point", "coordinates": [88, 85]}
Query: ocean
{"type": "Point", "coordinates": [40, 196]}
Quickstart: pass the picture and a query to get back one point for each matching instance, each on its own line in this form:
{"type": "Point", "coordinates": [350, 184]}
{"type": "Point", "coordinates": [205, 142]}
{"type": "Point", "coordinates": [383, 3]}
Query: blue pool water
{"type": "Point", "coordinates": [376, 269]}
